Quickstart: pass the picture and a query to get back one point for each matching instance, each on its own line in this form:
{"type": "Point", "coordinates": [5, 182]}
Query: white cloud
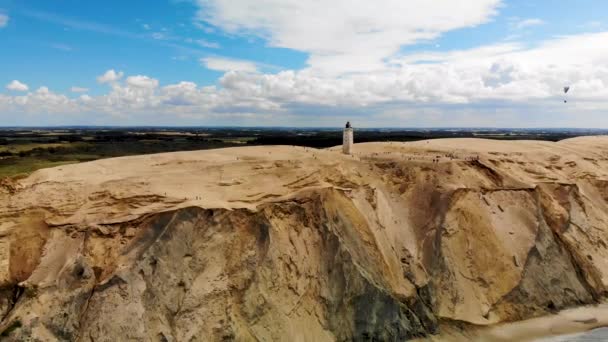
{"type": "Point", "coordinates": [228, 64]}
{"type": "Point", "coordinates": [15, 85]}
{"type": "Point", "coordinates": [110, 76]}
{"type": "Point", "coordinates": [207, 44]}
{"type": "Point", "coordinates": [501, 72]}
{"type": "Point", "coordinates": [348, 35]}
{"type": "Point", "coordinates": [505, 84]}
{"type": "Point", "coordinates": [488, 51]}
{"type": "Point", "coordinates": [205, 28]}
{"type": "Point", "coordinates": [4, 18]}
{"type": "Point", "coordinates": [140, 81]}
{"type": "Point", "coordinates": [181, 94]}
{"type": "Point", "coordinates": [145, 26]}
{"type": "Point", "coordinates": [40, 101]}
{"type": "Point", "coordinates": [522, 24]}
{"type": "Point", "coordinates": [79, 90]}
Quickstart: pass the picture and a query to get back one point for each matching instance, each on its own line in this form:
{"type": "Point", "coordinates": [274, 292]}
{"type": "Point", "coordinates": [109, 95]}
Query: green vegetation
{"type": "Point", "coordinates": [23, 151]}
{"type": "Point", "coordinates": [14, 326]}
{"type": "Point", "coordinates": [26, 166]}
{"type": "Point", "coordinates": [31, 291]}
{"type": "Point", "coordinates": [17, 148]}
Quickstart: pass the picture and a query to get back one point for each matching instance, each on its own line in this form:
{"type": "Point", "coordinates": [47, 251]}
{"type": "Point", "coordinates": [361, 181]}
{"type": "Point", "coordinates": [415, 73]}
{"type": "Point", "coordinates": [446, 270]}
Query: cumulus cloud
{"type": "Point", "coordinates": [349, 35]}
{"type": "Point", "coordinates": [140, 81]}
{"type": "Point", "coordinates": [181, 94]}
{"type": "Point", "coordinates": [79, 90]}
{"type": "Point", "coordinates": [228, 64]}
{"type": "Point", "coordinates": [40, 101]}
{"type": "Point", "coordinates": [505, 84]}
{"type": "Point", "coordinates": [4, 18]}
{"type": "Point", "coordinates": [110, 76]}
{"type": "Point", "coordinates": [15, 85]}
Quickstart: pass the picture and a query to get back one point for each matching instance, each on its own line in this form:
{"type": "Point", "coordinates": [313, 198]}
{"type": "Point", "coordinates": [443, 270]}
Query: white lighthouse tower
{"type": "Point", "coordinates": [347, 139]}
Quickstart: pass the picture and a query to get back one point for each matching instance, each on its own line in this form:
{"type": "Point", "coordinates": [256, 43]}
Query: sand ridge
{"type": "Point", "coordinates": [449, 230]}
{"type": "Point", "coordinates": [246, 176]}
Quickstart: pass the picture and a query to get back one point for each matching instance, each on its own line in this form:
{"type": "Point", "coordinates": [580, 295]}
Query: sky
{"type": "Point", "coordinates": [314, 63]}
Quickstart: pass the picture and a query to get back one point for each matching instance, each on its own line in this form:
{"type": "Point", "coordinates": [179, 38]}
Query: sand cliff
{"type": "Point", "coordinates": [398, 241]}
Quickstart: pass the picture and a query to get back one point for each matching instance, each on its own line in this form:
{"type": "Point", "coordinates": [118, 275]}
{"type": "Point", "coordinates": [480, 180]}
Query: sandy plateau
{"type": "Point", "coordinates": [433, 239]}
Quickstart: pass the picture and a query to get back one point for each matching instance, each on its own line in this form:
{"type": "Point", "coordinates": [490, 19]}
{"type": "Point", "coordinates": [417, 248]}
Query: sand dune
{"type": "Point", "coordinates": [398, 241]}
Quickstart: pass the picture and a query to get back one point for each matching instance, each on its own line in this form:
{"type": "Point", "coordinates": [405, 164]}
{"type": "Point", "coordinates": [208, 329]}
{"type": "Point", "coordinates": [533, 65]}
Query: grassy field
{"type": "Point", "coordinates": [30, 146]}
{"type": "Point", "coordinates": [22, 153]}
{"type": "Point", "coordinates": [26, 166]}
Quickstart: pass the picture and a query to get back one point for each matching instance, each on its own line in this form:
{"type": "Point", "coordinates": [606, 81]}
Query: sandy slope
{"type": "Point", "coordinates": [272, 243]}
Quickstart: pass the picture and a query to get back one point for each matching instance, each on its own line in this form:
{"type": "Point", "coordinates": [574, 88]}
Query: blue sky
{"type": "Point", "coordinates": [286, 62]}
{"type": "Point", "coordinates": [66, 43]}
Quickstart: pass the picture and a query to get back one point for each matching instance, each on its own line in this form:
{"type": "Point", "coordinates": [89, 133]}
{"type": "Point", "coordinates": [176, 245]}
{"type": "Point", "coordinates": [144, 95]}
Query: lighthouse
{"type": "Point", "coordinates": [347, 139]}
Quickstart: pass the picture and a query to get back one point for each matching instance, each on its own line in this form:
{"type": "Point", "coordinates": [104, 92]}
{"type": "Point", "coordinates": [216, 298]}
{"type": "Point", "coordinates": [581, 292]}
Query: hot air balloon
{"type": "Point", "coordinates": [566, 90]}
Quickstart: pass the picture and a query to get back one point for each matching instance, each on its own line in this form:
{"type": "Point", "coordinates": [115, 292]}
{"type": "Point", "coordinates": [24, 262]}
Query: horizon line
{"type": "Point", "coordinates": [298, 127]}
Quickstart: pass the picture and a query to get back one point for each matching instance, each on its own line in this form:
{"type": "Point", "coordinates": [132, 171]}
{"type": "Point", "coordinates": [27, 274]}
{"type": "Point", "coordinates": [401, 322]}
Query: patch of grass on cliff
{"type": "Point", "coordinates": [24, 166]}
{"type": "Point", "coordinates": [14, 326]}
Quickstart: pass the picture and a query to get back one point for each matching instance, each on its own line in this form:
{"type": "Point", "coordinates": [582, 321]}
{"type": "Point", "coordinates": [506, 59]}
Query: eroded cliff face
{"type": "Point", "coordinates": [285, 243]}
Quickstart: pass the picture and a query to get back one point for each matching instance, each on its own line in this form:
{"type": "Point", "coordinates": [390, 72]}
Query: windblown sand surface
{"type": "Point", "coordinates": [564, 326]}
{"type": "Point", "coordinates": [400, 240]}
